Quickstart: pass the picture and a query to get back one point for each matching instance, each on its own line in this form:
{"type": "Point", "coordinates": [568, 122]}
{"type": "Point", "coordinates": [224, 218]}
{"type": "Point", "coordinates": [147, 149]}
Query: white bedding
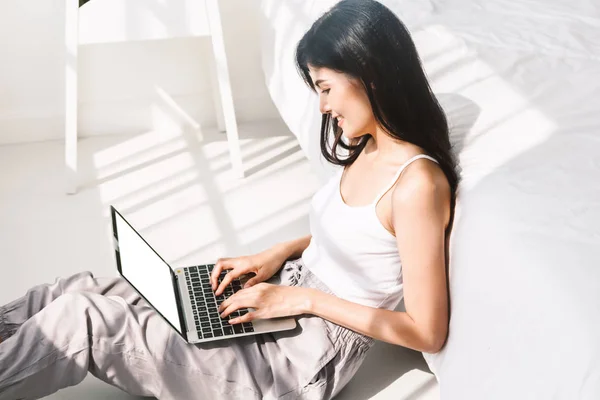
{"type": "Point", "coordinates": [520, 81]}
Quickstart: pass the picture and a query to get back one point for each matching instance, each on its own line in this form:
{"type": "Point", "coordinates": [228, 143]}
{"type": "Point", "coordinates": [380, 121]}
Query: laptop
{"type": "Point", "coordinates": [183, 297]}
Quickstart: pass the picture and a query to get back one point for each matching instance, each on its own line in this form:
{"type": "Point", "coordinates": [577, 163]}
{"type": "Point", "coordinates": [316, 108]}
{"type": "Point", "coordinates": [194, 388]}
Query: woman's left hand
{"type": "Point", "coordinates": [268, 300]}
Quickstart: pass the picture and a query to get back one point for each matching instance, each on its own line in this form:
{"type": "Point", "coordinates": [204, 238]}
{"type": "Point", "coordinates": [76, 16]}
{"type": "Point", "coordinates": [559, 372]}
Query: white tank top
{"type": "Point", "coordinates": [350, 250]}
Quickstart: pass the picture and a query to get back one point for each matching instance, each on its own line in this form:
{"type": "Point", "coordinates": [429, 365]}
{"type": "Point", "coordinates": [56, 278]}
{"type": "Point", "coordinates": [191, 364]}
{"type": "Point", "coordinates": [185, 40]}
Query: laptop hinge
{"type": "Point", "coordinates": [182, 320]}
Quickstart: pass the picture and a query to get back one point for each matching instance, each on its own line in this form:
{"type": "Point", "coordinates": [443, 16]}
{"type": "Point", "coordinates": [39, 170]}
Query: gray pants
{"type": "Point", "coordinates": [58, 332]}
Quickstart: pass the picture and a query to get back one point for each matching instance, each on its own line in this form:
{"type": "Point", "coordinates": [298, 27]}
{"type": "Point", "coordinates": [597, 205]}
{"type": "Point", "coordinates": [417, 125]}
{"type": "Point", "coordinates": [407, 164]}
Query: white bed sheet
{"type": "Point", "coordinates": [520, 82]}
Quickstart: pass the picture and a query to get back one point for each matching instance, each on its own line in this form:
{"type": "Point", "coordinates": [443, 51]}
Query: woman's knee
{"type": "Point", "coordinates": [80, 313]}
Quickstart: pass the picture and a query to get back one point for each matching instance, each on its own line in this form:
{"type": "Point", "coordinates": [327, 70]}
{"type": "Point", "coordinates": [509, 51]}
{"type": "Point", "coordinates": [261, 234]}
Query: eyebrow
{"type": "Point", "coordinates": [318, 82]}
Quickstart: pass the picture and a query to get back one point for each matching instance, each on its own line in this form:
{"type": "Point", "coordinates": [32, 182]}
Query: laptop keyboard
{"type": "Point", "coordinates": [209, 323]}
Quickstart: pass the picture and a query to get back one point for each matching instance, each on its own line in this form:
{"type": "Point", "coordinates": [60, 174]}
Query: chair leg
{"type": "Point", "coordinates": [222, 75]}
{"type": "Point", "coordinates": [71, 71]}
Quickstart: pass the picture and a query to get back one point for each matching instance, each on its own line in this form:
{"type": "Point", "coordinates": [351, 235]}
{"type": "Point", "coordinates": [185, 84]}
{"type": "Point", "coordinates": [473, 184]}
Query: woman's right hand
{"type": "Point", "coordinates": [264, 265]}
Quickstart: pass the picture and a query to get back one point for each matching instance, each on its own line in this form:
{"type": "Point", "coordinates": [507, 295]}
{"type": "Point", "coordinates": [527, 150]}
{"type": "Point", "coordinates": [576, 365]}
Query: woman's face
{"type": "Point", "coordinates": [346, 100]}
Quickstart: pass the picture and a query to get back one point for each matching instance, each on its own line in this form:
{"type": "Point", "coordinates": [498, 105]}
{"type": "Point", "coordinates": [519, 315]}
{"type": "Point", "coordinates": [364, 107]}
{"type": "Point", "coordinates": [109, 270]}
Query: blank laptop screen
{"type": "Point", "coordinates": [146, 271]}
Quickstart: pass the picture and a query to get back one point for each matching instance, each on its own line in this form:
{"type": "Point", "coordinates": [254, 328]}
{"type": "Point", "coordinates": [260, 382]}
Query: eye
{"type": "Point", "coordinates": [325, 91]}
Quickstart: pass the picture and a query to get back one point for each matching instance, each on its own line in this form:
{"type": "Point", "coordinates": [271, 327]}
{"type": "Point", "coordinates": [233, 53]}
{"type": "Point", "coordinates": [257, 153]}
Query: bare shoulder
{"type": "Point", "coordinates": [423, 186]}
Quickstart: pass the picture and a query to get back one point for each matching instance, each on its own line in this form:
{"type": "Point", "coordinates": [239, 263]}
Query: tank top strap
{"type": "Point", "coordinates": [402, 167]}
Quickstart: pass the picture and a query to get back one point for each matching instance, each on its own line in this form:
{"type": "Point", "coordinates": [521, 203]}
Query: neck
{"type": "Point", "coordinates": [381, 146]}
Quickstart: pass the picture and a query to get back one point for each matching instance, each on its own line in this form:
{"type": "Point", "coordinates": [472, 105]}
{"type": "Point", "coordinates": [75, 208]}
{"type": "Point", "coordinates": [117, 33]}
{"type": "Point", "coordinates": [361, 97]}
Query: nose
{"type": "Point", "coordinates": [323, 105]}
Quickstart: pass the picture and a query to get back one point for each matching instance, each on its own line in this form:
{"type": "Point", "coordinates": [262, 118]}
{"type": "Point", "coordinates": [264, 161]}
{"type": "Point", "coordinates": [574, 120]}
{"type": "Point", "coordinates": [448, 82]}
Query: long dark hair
{"type": "Point", "coordinates": [365, 40]}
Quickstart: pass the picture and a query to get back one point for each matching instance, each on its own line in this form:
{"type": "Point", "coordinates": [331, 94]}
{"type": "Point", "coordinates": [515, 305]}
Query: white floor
{"type": "Point", "coordinates": [176, 189]}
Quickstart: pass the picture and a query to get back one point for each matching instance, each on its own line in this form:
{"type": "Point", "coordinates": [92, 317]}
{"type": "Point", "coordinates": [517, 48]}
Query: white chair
{"type": "Point", "coordinates": [99, 21]}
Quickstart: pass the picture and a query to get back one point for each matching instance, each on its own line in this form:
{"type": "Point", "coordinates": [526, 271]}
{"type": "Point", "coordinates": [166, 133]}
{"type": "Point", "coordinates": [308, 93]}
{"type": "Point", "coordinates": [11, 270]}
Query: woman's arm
{"type": "Point", "coordinates": [421, 212]}
{"type": "Point", "coordinates": [389, 326]}
{"type": "Point", "coordinates": [292, 249]}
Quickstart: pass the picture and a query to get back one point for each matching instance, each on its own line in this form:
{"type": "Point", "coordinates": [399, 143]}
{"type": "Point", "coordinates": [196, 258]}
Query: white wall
{"type": "Point", "coordinates": [119, 82]}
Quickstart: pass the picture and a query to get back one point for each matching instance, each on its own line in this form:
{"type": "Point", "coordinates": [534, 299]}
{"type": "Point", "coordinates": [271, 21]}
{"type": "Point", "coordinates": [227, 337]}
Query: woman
{"type": "Point", "coordinates": [379, 230]}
